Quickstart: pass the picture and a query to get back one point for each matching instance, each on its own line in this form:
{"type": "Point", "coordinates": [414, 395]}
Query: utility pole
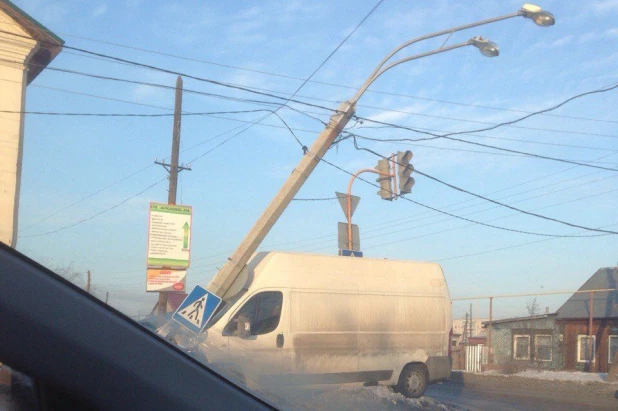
{"type": "Point", "coordinates": [106, 296]}
{"type": "Point", "coordinates": [470, 320]}
{"type": "Point", "coordinates": [88, 282]}
{"type": "Point", "coordinates": [173, 168]}
{"type": "Point", "coordinates": [224, 278]}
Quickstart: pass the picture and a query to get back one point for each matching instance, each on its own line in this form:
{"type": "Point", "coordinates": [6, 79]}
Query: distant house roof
{"type": "Point", "coordinates": [516, 319]}
{"type": "Point", "coordinates": [605, 304]}
{"type": "Point", "coordinates": [52, 44]}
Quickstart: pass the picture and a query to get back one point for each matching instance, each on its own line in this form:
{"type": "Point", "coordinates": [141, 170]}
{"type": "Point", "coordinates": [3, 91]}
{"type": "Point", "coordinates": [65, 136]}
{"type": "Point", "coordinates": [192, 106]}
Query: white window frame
{"type": "Point", "coordinates": [609, 346]}
{"type": "Point", "coordinates": [536, 347]}
{"type": "Point", "coordinates": [594, 347]}
{"type": "Point", "coordinates": [515, 337]}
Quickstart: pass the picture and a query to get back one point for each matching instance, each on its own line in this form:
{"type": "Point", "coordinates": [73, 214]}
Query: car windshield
{"type": "Point", "coordinates": [199, 166]}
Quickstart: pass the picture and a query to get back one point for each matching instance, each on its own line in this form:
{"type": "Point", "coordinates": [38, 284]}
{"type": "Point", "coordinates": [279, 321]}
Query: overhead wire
{"type": "Point", "coordinates": [279, 97]}
{"type": "Point", "coordinates": [505, 248]}
{"type": "Point", "coordinates": [454, 187]}
{"type": "Point", "coordinates": [96, 214]}
{"type": "Point", "coordinates": [398, 221]}
{"type": "Point", "coordinates": [525, 153]}
{"type": "Point", "coordinates": [464, 218]}
{"type": "Point", "coordinates": [264, 72]}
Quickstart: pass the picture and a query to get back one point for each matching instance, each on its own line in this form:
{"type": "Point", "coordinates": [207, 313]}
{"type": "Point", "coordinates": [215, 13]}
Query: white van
{"type": "Point", "coordinates": [303, 319]}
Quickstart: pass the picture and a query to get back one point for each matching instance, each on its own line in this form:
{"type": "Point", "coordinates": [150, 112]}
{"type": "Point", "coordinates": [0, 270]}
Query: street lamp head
{"type": "Point", "coordinates": [539, 16]}
{"type": "Point", "coordinates": [486, 47]}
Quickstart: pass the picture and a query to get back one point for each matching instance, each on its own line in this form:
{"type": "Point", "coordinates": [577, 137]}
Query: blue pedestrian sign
{"type": "Point", "coordinates": [195, 311]}
{"type": "Point", "coordinates": [350, 253]}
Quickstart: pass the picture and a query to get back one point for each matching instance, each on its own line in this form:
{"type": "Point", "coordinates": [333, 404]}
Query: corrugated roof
{"type": "Point", "coordinates": [605, 304]}
{"type": "Point", "coordinates": [516, 319]}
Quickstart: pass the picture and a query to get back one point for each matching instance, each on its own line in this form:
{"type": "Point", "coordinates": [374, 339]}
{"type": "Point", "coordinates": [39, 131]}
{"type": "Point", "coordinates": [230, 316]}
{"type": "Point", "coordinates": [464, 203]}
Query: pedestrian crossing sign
{"type": "Point", "coordinates": [197, 309]}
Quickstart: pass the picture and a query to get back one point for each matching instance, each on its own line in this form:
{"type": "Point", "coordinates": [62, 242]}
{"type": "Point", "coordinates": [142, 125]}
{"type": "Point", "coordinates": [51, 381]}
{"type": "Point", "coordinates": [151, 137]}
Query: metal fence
{"type": "Point", "coordinates": [476, 357]}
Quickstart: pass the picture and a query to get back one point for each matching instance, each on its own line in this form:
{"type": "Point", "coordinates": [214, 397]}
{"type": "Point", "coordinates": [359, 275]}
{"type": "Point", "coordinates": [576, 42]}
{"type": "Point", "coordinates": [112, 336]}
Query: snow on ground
{"type": "Point", "coordinates": [558, 375]}
{"type": "Point", "coordinates": [375, 398]}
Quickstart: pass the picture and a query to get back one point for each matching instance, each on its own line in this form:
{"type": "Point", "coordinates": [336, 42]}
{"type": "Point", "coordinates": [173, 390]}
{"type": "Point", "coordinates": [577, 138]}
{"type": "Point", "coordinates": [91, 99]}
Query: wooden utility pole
{"type": "Point", "coordinates": [88, 282]}
{"type": "Point", "coordinates": [491, 309]}
{"type": "Point", "coordinates": [470, 320]}
{"type": "Point", "coordinates": [173, 170]}
{"type": "Point", "coordinates": [106, 296]}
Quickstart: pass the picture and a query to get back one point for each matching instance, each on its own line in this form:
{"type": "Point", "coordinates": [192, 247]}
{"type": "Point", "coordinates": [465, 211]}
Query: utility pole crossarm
{"type": "Point", "coordinates": [224, 278]}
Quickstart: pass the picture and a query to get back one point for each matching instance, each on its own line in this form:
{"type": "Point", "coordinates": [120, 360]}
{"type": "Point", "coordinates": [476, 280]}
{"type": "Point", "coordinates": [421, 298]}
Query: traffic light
{"type": "Point", "coordinates": [404, 171]}
{"type": "Point", "coordinates": [386, 191]}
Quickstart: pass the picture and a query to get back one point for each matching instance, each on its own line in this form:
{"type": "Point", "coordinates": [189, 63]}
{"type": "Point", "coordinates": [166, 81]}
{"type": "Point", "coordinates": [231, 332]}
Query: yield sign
{"type": "Point", "coordinates": [195, 311]}
{"type": "Point", "coordinates": [343, 201]}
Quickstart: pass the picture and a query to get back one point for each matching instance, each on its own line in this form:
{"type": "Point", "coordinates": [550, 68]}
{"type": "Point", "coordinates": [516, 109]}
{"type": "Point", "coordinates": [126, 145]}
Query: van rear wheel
{"type": "Point", "coordinates": [413, 381]}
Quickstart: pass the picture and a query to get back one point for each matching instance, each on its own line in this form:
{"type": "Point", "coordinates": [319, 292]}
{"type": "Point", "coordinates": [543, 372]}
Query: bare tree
{"type": "Point", "coordinates": [78, 278]}
{"type": "Point", "coordinates": [533, 307]}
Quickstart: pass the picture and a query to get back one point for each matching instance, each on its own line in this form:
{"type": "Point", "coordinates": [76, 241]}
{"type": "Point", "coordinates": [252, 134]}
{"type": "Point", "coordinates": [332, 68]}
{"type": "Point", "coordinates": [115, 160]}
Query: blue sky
{"type": "Point", "coordinates": [69, 158]}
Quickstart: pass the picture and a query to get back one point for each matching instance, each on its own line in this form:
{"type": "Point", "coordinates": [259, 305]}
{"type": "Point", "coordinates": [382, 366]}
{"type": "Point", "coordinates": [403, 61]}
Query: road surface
{"type": "Point", "coordinates": [458, 397]}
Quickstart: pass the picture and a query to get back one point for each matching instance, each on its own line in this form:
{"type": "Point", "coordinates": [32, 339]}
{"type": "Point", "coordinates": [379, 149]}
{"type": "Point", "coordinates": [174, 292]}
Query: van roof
{"type": "Point", "coordinates": [275, 269]}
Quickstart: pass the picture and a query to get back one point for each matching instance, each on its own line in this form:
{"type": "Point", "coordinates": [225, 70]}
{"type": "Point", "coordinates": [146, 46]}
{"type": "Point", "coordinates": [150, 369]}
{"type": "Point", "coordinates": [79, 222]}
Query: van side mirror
{"type": "Point", "coordinates": [247, 330]}
{"type": "Point", "coordinates": [244, 327]}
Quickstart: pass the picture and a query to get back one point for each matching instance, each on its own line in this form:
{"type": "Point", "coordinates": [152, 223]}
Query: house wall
{"type": "Point", "coordinates": [502, 342]}
{"type": "Point", "coordinates": [12, 98]}
{"type": "Point", "coordinates": [601, 329]}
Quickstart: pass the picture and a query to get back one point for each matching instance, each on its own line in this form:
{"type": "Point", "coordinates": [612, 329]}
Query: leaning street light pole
{"type": "Point", "coordinates": [226, 276]}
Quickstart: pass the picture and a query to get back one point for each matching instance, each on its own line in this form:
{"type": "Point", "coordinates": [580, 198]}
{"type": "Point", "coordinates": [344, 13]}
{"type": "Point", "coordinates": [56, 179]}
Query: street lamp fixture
{"type": "Point", "coordinates": [486, 47]}
{"type": "Point", "coordinates": [539, 16]}
{"type": "Point", "coordinates": [530, 11]}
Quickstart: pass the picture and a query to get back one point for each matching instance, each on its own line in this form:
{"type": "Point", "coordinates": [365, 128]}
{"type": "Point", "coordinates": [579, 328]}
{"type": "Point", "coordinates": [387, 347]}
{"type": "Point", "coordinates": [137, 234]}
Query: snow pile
{"type": "Point", "coordinates": [575, 376]}
{"type": "Point", "coordinates": [374, 398]}
{"type": "Point", "coordinates": [564, 376]}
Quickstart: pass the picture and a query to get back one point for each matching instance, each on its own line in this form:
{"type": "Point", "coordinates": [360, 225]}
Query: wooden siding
{"type": "Point", "coordinates": [601, 329]}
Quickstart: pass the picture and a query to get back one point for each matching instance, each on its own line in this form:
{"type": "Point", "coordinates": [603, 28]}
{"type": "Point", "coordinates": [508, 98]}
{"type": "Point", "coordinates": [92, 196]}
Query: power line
{"type": "Point", "coordinates": [399, 220]}
{"type": "Point", "coordinates": [506, 123]}
{"type": "Point", "coordinates": [156, 52]}
{"type": "Point", "coordinates": [561, 160]}
{"type": "Point", "coordinates": [519, 140]}
{"type": "Point", "coordinates": [464, 218]}
{"type": "Point", "coordinates": [74, 114]}
{"type": "Point", "coordinates": [391, 125]}
{"type": "Point", "coordinates": [296, 101]}
{"type": "Point", "coordinates": [506, 248]}
{"type": "Point", "coordinates": [252, 90]}
{"type": "Point", "coordinates": [490, 200]}
{"type": "Point", "coordinates": [97, 214]}
{"type": "Point", "coordinates": [491, 220]}
{"type": "Point", "coordinates": [86, 197]}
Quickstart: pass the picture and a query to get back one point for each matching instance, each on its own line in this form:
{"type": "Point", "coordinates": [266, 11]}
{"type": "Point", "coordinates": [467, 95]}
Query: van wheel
{"type": "Point", "coordinates": [412, 381]}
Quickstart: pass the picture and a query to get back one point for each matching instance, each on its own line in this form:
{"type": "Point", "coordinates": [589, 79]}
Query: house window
{"type": "Point", "coordinates": [521, 347]}
{"type": "Point", "coordinates": [543, 347]}
{"type": "Point", "coordinates": [585, 343]}
{"type": "Point", "coordinates": [613, 348]}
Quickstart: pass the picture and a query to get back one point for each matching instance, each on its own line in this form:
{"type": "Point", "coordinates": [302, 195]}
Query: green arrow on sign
{"type": "Point", "coordinates": [185, 239]}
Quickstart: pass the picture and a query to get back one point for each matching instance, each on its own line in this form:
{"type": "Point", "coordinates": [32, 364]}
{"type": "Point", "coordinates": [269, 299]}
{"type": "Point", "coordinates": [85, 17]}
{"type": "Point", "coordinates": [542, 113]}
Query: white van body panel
{"type": "Point", "coordinates": [343, 319]}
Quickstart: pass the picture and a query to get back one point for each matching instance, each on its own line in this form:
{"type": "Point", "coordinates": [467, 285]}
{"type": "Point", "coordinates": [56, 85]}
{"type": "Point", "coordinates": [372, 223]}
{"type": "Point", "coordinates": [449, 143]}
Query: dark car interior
{"type": "Point", "coordinates": [74, 352]}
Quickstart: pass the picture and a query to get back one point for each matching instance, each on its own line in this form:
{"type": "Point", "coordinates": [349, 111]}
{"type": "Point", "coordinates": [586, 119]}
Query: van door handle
{"type": "Point", "coordinates": [280, 340]}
